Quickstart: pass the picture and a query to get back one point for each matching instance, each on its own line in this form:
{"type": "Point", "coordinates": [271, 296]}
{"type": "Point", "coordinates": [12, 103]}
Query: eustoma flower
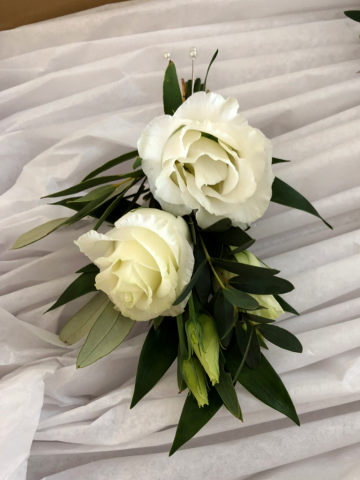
{"type": "Point", "coordinates": [207, 158]}
{"type": "Point", "coordinates": [145, 262]}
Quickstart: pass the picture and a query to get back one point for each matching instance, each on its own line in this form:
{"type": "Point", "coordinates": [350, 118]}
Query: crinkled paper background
{"type": "Point", "coordinates": [77, 91]}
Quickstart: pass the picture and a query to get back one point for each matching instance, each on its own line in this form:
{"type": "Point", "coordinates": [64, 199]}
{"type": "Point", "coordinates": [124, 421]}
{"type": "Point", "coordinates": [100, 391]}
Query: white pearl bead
{"type": "Point", "coordinates": [167, 55]}
{"type": "Point", "coordinates": [193, 52]}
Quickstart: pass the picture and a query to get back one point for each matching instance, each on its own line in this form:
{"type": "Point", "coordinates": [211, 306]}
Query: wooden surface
{"type": "Point", "coordinates": [14, 13]}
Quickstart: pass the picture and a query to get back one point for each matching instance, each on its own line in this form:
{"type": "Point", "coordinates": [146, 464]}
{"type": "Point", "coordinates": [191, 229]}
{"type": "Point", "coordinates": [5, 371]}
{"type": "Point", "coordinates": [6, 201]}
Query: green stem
{"type": "Point", "coordinates": [208, 258]}
{"type": "Point", "coordinates": [182, 337]}
{"type": "Point", "coordinates": [244, 358]}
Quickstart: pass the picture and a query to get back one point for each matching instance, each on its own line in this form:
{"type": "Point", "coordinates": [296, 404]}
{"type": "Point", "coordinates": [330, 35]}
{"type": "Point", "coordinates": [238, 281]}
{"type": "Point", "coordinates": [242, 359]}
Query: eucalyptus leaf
{"type": "Point", "coordinates": [79, 287]}
{"type": "Point", "coordinates": [190, 285]}
{"type": "Point", "coordinates": [172, 97]}
{"type": "Point", "coordinates": [108, 332]}
{"type": "Point", "coordinates": [243, 269]}
{"type": "Point", "coordinates": [157, 355]}
{"type": "Point", "coordinates": [240, 299]}
{"type": "Point", "coordinates": [81, 323]}
{"type": "Point", "coordinates": [283, 194]}
{"type": "Point", "coordinates": [263, 382]}
{"type": "Point", "coordinates": [38, 233]}
{"type": "Point", "coordinates": [226, 390]}
{"type": "Point", "coordinates": [280, 337]}
{"type": "Point", "coordinates": [193, 418]}
{"type": "Point", "coordinates": [285, 306]}
{"type": "Point", "coordinates": [111, 163]}
{"type": "Point", "coordinates": [262, 285]}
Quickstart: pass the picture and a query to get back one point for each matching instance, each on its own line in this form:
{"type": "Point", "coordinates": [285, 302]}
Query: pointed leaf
{"type": "Point", "coordinates": [278, 160]}
{"type": "Point", "coordinates": [203, 283]}
{"type": "Point", "coordinates": [190, 285]}
{"type": "Point", "coordinates": [137, 163]}
{"type": "Point", "coordinates": [263, 382]}
{"type": "Point", "coordinates": [222, 225]}
{"type": "Point", "coordinates": [207, 72]}
{"type": "Point", "coordinates": [157, 355]}
{"type": "Point", "coordinates": [81, 286]}
{"type": "Point", "coordinates": [244, 270]}
{"type": "Point", "coordinates": [226, 390]}
{"type": "Point", "coordinates": [96, 193]}
{"type": "Point", "coordinates": [89, 268]}
{"type": "Point", "coordinates": [283, 194]}
{"type": "Point", "coordinates": [253, 357]}
{"type": "Point", "coordinates": [193, 418]}
{"type": "Point", "coordinates": [233, 236]}
{"type": "Point", "coordinates": [38, 233]}
{"type": "Point", "coordinates": [81, 323]}
{"type": "Point", "coordinates": [285, 306]}
{"type": "Point", "coordinates": [108, 332]}
{"type": "Point", "coordinates": [171, 91]}
{"type": "Point", "coordinates": [280, 337]}
{"type": "Point", "coordinates": [353, 14]}
{"type": "Point", "coordinates": [241, 299]}
{"type": "Point", "coordinates": [262, 286]}
{"type": "Point", "coordinates": [224, 315]}
{"type": "Point", "coordinates": [111, 163]}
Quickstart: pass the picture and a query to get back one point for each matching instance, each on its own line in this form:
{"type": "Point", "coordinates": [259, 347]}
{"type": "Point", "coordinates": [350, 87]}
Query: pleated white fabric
{"type": "Point", "coordinates": [77, 91]}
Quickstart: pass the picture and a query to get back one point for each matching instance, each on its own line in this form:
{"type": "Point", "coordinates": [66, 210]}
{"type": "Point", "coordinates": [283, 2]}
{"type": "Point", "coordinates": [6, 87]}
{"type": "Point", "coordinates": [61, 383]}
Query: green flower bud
{"type": "Point", "coordinates": [205, 342]}
{"type": "Point", "coordinates": [195, 380]}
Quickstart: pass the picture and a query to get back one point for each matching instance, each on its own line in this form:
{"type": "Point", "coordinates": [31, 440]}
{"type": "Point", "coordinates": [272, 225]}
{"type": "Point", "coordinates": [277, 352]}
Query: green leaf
{"type": "Point", "coordinates": [108, 332]}
{"type": "Point", "coordinates": [180, 379]}
{"type": "Point", "coordinates": [86, 210]}
{"type": "Point", "coordinates": [283, 194]}
{"type": "Point", "coordinates": [188, 88]}
{"type": "Point", "coordinates": [211, 62]}
{"type": "Point", "coordinates": [241, 299]}
{"type": "Point", "coordinates": [89, 268]}
{"type": "Point", "coordinates": [137, 163]}
{"type": "Point", "coordinates": [286, 306]}
{"type": "Point", "coordinates": [197, 85]}
{"type": "Point", "coordinates": [280, 337]}
{"type": "Point", "coordinates": [81, 286]}
{"type": "Point", "coordinates": [242, 269]}
{"type": "Point", "coordinates": [95, 194]}
{"type": "Point", "coordinates": [203, 283]}
{"type": "Point", "coordinates": [234, 236]}
{"type": "Point", "coordinates": [38, 233]}
{"type": "Point", "coordinates": [157, 321]}
{"type": "Point", "coordinates": [121, 190]}
{"type": "Point", "coordinates": [253, 357]}
{"type": "Point", "coordinates": [81, 323]}
{"type": "Point", "coordinates": [190, 285]}
{"type": "Point", "coordinates": [224, 315]}
{"type": "Point", "coordinates": [157, 355]}
{"type": "Point", "coordinates": [263, 382]}
{"type": "Point", "coordinates": [171, 91]}
{"type": "Point", "coordinates": [278, 160]}
{"type": "Point", "coordinates": [241, 248]}
{"type": "Point", "coordinates": [257, 318]}
{"type": "Point", "coordinates": [222, 225]}
{"type": "Point", "coordinates": [353, 14]}
{"type": "Point", "coordinates": [226, 390]}
{"type": "Point", "coordinates": [193, 418]}
{"type": "Point", "coordinates": [111, 163]}
{"type": "Point", "coordinates": [262, 286]}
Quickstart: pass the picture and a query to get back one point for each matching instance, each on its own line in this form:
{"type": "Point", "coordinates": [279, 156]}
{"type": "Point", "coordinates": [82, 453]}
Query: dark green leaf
{"type": "Point", "coordinates": [257, 318]}
{"type": "Point", "coordinates": [224, 315]}
{"type": "Point", "coordinates": [87, 209]}
{"type": "Point", "coordinates": [263, 382]}
{"type": "Point", "coordinates": [111, 163]}
{"type": "Point", "coordinates": [89, 268]}
{"type": "Point", "coordinates": [171, 91]}
{"type": "Point", "coordinates": [203, 283]}
{"type": "Point", "coordinates": [283, 194]}
{"type": "Point", "coordinates": [278, 160]}
{"type": "Point", "coordinates": [157, 355]}
{"type": "Point", "coordinates": [81, 323]}
{"type": "Point", "coordinates": [226, 390]}
{"type": "Point", "coordinates": [93, 182]}
{"type": "Point", "coordinates": [263, 285]}
{"type": "Point", "coordinates": [242, 247]}
{"type": "Point", "coordinates": [157, 321]}
{"type": "Point", "coordinates": [211, 62]}
{"type": "Point", "coordinates": [234, 236]}
{"type": "Point", "coordinates": [81, 286]}
{"type": "Point", "coordinates": [180, 379]}
{"type": "Point", "coordinates": [96, 193]}
{"type": "Point", "coordinates": [137, 163]}
{"type": "Point", "coordinates": [38, 233]}
{"type": "Point", "coordinates": [280, 337]}
{"type": "Point", "coordinates": [242, 269]}
{"type": "Point", "coordinates": [222, 225]}
{"type": "Point", "coordinates": [136, 196]}
{"type": "Point", "coordinates": [108, 332]}
{"type": "Point", "coordinates": [253, 357]}
{"type": "Point", "coordinates": [193, 418]}
{"type": "Point", "coordinates": [353, 14]}
{"type": "Point", "coordinates": [285, 306]}
{"type": "Point", "coordinates": [190, 285]}
{"type": "Point", "coordinates": [188, 88]}
{"type": "Point", "coordinates": [197, 85]}
{"type": "Point", "coordinates": [241, 299]}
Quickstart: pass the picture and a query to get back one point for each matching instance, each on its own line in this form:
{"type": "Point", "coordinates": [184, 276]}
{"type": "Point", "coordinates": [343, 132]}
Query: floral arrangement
{"type": "Point", "coordinates": [180, 258]}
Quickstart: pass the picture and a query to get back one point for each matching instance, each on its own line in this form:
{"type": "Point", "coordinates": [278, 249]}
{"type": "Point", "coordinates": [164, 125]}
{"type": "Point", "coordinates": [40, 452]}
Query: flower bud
{"type": "Point", "coordinates": [195, 380]}
{"type": "Point", "coordinates": [205, 342]}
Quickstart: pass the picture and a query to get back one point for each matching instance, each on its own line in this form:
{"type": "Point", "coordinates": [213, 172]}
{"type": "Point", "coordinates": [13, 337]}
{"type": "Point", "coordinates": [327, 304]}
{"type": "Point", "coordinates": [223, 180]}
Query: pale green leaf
{"type": "Point", "coordinates": [38, 233]}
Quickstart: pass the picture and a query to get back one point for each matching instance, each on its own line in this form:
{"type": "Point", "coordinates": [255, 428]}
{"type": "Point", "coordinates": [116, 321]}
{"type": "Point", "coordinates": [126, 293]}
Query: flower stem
{"type": "Point", "coordinates": [182, 337]}
{"type": "Point", "coordinates": [244, 358]}
{"type": "Point", "coordinates": [208, 258]}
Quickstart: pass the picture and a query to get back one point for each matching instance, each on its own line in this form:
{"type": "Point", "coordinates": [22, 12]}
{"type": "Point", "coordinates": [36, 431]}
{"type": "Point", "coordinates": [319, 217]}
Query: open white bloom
{"type": "Point", "coordinates": [207, 158]}
{"type": "Point", "coordinates": [145, 262]}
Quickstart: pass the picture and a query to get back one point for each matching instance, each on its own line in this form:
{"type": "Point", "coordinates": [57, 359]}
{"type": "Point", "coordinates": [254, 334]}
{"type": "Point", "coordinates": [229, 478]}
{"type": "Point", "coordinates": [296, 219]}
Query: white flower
{"type": "Point", "coordinates": [207, 158]}
{"type": "Point", "coordinates": [145, 262]}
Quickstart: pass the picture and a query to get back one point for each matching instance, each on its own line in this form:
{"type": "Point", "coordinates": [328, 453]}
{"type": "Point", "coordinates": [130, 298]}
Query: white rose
{"type": "Point", "coordinates": [145, 262]}
{"type": "Point", "coordinates": [207, 158]}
